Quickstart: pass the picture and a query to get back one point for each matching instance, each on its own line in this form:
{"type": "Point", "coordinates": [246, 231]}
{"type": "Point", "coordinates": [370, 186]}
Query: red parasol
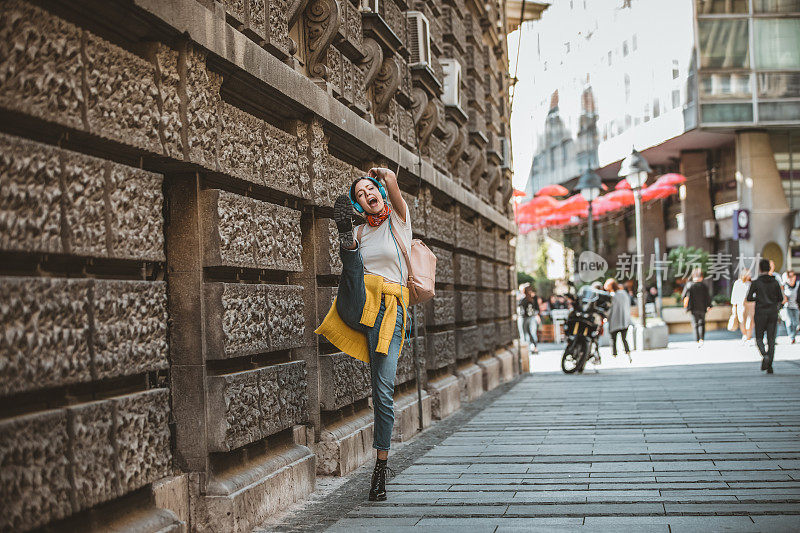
{"type": "Point", "coordinates": [604, 205]}
{"type": "Point", "coordinates": [623, 197]}
{"type": "Point", "coordinates": [573, 205]}
{"type": "Point", "coordinates": [670, 179]}
{"type": "Point", "coordinates": [553, 190]}
{"type": "Point", "coordinates": [623, 185]}
{"type": "Point", "coordinates": [518, 193]}
{"type": "Point", "coordinates": [656, 192]}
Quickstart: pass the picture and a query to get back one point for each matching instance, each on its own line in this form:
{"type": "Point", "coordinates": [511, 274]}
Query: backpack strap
{"type": "Point", "coordinates": [402, 249]}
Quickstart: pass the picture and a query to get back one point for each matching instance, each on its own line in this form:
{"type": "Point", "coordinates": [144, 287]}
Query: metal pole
{"type": "Point", "coordinates": [591, 228]}
{"type": "Point", "coordinates": [637, 200]}
{"type": "Point", "coordinates": [657, 250]}
{"type": "Point", "coordinates": [416, 367]}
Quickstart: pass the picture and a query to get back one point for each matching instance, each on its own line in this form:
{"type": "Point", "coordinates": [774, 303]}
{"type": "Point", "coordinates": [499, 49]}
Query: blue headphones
{"type": "Point", "coordinates": [356, 205]}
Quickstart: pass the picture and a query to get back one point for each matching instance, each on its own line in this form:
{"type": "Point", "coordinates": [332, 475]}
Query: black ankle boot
{"type": "Point", "coordinates": [377, 487]}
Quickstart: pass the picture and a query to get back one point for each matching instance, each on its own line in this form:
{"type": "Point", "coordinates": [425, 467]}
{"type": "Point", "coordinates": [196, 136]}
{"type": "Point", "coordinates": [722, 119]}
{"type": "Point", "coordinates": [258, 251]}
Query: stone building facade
{"type": "Point", "coordinates": [167, 173]}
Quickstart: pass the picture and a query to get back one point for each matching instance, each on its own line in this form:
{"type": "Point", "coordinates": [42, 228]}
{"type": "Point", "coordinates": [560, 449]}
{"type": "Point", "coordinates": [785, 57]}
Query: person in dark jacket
{"type": "Point", "coordinates": [529, 312]}
{"type": "Point", "coordinates": [766, 292]}
{"type": "Point", "coordinates": [697, 300]}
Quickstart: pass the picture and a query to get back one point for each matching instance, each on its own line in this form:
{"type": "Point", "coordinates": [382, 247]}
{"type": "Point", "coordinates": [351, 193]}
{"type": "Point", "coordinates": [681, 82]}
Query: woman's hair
{"type": "Point", "coordinates": [745, 276]}
{"type": "Point", "coordinates": [611, 285]}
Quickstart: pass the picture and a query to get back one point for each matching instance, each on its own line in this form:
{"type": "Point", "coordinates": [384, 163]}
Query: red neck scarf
{"type": "Point", "coordinates": [377, 219]}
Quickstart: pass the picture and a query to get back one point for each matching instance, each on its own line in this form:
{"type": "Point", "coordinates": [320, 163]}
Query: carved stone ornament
{"type": "Point", "coordinates": [493, 174]}
{"type": "Point", "coordinates": [295, 8]}
{"type": "Point", "coordinates": [477, 163]}
{"type": "Point", "coordinates": [456, 142]}
{"type": "Point", "coordinates": [386, 83]}
{"type": "Point", "coordinates": [419, 101]}
{"type": "Point", "coordinates": [372, 62]}
{"type": "Point", "coordinates": [427, 123]}
{"type": "Point", "coordinates": [321, 23]}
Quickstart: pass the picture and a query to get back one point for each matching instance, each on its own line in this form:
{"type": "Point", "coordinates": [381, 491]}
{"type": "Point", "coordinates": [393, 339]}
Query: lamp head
{"type": "Point", "coordinates": [635, 169]}
{"type": "Point", "coordinates": [589, 185]}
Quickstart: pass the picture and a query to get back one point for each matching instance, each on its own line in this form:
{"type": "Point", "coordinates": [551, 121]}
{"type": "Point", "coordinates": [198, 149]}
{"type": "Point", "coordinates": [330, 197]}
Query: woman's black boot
{"type": "Point", "coordinates": [377, 488]}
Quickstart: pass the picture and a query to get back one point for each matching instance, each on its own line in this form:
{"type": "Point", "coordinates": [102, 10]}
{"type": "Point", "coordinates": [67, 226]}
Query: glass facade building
{"type": "Point", "coordinates": [748, 58]}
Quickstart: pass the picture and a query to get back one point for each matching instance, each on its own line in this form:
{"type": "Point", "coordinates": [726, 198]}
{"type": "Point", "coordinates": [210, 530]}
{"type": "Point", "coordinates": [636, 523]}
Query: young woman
{"type": "Point", "coordinates": [619, 316]}
{"type": "Point", "coordinates": [741, 307]}
{"type": "Point", "coordinates": [368, 318]}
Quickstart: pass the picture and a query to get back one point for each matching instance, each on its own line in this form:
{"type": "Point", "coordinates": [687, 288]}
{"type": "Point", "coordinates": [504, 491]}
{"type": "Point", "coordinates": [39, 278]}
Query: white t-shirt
{"type": "Point", "coordinates": [380, 254]}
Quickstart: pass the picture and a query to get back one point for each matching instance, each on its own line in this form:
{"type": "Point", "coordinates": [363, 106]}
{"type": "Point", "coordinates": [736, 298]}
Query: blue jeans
{"type": "Point", "coordinates": [792, 322]}
{"type": "Point", "coordinates": [350, 301]}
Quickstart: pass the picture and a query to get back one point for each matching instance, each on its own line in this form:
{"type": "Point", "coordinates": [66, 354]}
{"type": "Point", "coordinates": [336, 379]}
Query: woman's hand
{"type": "Point", "coordinates": [389, 180]}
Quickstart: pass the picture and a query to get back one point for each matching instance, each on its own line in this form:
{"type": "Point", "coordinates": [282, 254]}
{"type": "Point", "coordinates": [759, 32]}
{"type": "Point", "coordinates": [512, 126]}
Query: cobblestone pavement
{"type": "Point", "coordinates": [696, 447]}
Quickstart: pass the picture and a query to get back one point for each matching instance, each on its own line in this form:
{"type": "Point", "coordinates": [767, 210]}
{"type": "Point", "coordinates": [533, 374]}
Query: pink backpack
{"type": "Point", "coordinates": [421, 268]}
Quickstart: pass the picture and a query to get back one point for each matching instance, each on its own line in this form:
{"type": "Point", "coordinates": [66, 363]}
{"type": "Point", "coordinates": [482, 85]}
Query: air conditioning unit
{"type": "Point", "coordinates": [452, 81]}
{"type": "Point", "coordinates": [709, 229]}
{"type": "Point", "coordinates": [505, 151]}
{"type": "Point", "coordinates": [419, 38]}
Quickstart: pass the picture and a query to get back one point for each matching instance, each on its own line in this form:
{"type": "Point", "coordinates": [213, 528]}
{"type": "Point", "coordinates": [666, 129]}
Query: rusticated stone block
{"type": "Point", "coordinates": [466, 235]}
{"type": "Point", "coordinates": [121, 100]}
{"type": "Point", "coordinates": [467, 342]}
{"type": "Point", "coordinates": [466, 306]}
{"type": "Point", "coordinates": [35, 475]}
{"type": "Point", "coordinates": [318, 163]}
{"type": "Point", "coordinates": [30, 196]}
{"type": "Point", "coordinates": [93, 459]}
{"type": "Point", "coordinates": [441, 349]}
{"type": "Point", "coordinates": [417, 210]}
{"type": "Point", "coordinates": [465, 269]}
{"type": "Point", "coordinates": [244, 232]}
{"type": "Point", "coordinates": [406, 369]}
{"type": "Point", "coordinates": [487, 334]}
{"type": "Point", "coordinates": [241, 144]}
{"type": "Point", "coordinates": [130, 327]}
{"type": "Point", "coordinates": [328, 259]}
{"type": "Point", "coordinates": [283, 398]}
{"type": "Point", "coordinates": [503, 276]}
{"type": "Point", "coordinates": [169, 101]}
{"type": "Point", "coordinates": [233, 411]}
{"type": "Point", "coordinates": [281, 163]}
{"type": "Point", "coordinates": [41, 64]}
{"type": "Point", "coordinates": [45, 333]}
{"type": "Point", "coordinates": [84, 204]}
{"type": "Point", "coordinates": [142, 438]}
{"type": "Point", "coordinates": [136, 215]}
{"type": "Point", "coordinates": [486, 242]}
{"type": "Point", "coordinates": [302, 134]}
{"type": "Point", "coordinates": [444, 265]}
{"type": "Point", "coordinates": [487, 305]}
{"type": "Point", "coordinates": [344, 380]}
{"type": "Point", "coordinates": [244, 319]}
{"type": "Point", "coordinates": [336, 179]}
{"type": "Point", "coordinates": [487, 276]}
{"type": "Point", "coordinates": [105, 210]}
{"type": "Point", "coordinates": [201, 99]}
{"type": "Point", "coordinates": [325, 297]}
{"type": "Point", "coordinates": [441, 309]}
{"type": "Point", "coordinates": [285, 319]}
{"type": "Point", "coordinates": [439, 224]}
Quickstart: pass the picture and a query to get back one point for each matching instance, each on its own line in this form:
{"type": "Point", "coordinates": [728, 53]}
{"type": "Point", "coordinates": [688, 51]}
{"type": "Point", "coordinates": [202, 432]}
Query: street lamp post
{"type": "Point", "coordinates": [635, 169]}
{"type": "Point", "coordinates": [589, 186]}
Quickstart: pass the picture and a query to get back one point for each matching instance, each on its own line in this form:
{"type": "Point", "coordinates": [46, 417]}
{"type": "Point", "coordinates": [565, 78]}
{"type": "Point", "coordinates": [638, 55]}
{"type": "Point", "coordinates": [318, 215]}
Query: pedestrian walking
{"type": "Point", "coordinates": [766, 292]}
{"type": "Point", "coordinates": [368, 317]}
{"type": "Point", "coordinates": [791, 307]}
{"type": "Point", "coordinates": [529, 312]}
{"type": "Point", "coordinates": [740, 307]}
{"type": "Point", "coordinates": [619, 316]}
{"type": "Point", "coordinates": [697, 301]}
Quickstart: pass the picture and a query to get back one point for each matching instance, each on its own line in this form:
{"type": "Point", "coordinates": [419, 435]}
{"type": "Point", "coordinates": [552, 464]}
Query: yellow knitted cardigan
{"type": "Point", "coordinates": [354, 342]}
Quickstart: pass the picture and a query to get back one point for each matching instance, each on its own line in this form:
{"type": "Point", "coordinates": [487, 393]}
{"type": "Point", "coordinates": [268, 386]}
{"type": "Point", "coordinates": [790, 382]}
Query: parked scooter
{"type": "Point", "coordinates": [583, 329]}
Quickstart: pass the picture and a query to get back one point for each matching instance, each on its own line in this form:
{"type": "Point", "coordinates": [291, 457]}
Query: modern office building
{"type": "Point", "coordinates": [708, 88]}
